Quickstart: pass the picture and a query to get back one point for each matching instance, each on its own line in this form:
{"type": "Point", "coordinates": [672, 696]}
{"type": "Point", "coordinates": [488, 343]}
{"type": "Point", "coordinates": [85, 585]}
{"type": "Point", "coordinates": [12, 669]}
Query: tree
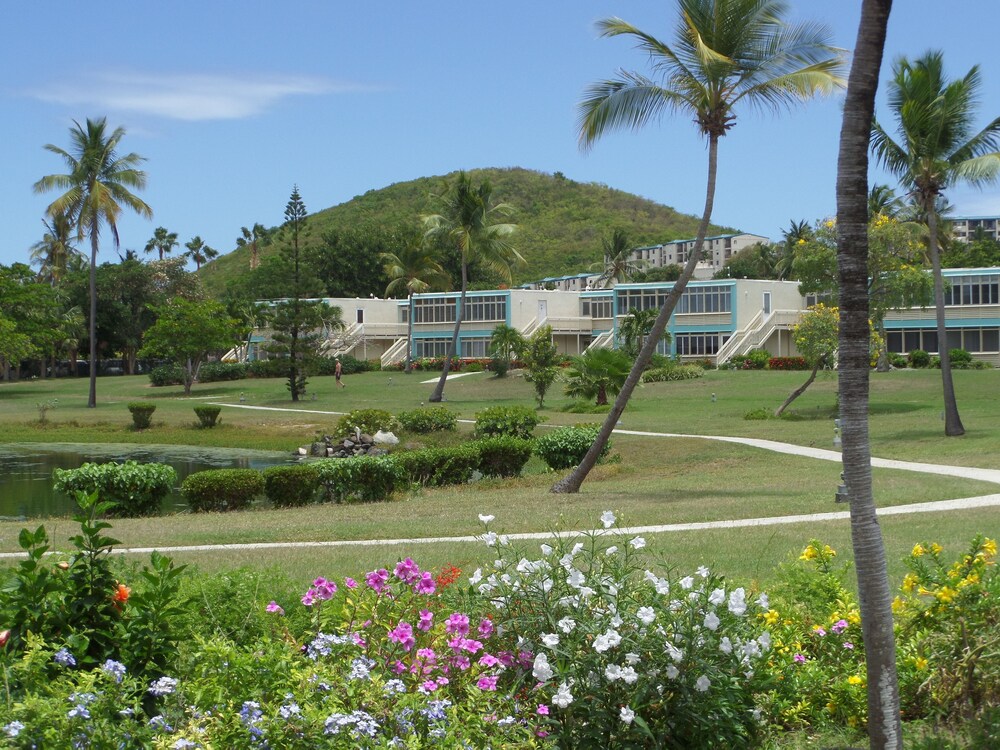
{"type": "Point", "coordinates": [506, 345]}
{"type": "Point", "coordinates": [199, 252]}
{"type": "Point", "coordinates": [97, 189]}
{"type": "Point", "coordinates": [415, 269]}
{"type": "Point", "coordinates": [162, 242]}
{"type": "Point", "coordinates": [760, 260]}
{"type": "Point", "coordinates": [874, 595]}
{"type": "Point", "coordinates": [634, 329]}
{"type": "Point", "coordinates": [55, 253]}
{"type": "Point", "coordinates": [618, 265]}
{"type": "Point", "coordinates": [726, 53]}
{"type": "Point", "coordinates": [798, 233]}
{"type": "Point", "coordinates": [815, 337]}
{"type": "Point", "coordinates": [34, 308]}
{"type": "Point", "coordinates": [255, 239]}
{"type": "Point", "coordinates": [540, 361]}
{"type": "Point", "coordinates": [14, 346]}
{"type": "Point", "coordinates": [661, 273]}
{"type": "Point", "coordinates": [882, 200]}
{"type": "Point", "coordinates": [186, 332]}
{"type": "Point", "coordinates": [597, 373]}
{"type": "Point", "coordinates": [937, 149]}
{"type": "Point", "coordinates": [468, 222]}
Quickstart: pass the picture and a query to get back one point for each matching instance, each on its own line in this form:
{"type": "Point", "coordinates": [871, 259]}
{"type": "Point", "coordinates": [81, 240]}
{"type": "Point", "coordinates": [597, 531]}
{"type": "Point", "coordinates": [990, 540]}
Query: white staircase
{"type": "Point", "coordinates": [395, 353]}
{"type": "Point", "coordinates": [341, 340]}
{"type": "Point", "coordinates": [604, 341]}
{"type": "Point", "coordinates": [756, 332]}
{"type": "Point", "coordinates": [530, 328]}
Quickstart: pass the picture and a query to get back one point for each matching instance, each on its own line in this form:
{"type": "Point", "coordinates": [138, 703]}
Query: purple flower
{"type": "Point", "coordinates": [426, 619]}
{"type": "Point", "coordinates": [275, 607]}
{"type": "Point", "coordinates": [487, 683]}
{"type": "Point", "coordinates": [309, 598]}
{"type": "Point", "coordinates": [462, 662]}
{"type": "Point", "coordinates": [488, 660]}
{"type": "Point", "coordinates": [799, 659]}
{"type": "Point", "coordinates": [839, 626]}
{"type": "Point", "coordinates": [486, 628]}
{"type": "Point", "coordinates": [377, 579]}
{"type": "Point", "coordinates": [542, 710]}
{"type": "Point", "coordinates": [324, 589]}
{"type": "Point", "coordinates": [407, 571]}
{"type": "Point", "coordinates": [429, 686]}
{"type": "Point", "coordinates": [819, 631]}
{"type": "Point", "coordinates": [403, 635]}
{"type": "Point", "coordinates": [350, 583]}
{"type": "Point", "coordinates": [425, 585]}
{"type": "Point", "coordinates": [458, 624]}
{"type": "Point", "coordinates": [64, 658]}
{"type": "Point", "coordinates": [848, 644]}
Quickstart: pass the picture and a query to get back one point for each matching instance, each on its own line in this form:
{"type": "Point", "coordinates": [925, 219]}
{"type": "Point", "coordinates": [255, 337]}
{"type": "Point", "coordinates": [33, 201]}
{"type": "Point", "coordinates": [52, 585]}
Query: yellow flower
{"type": "Point", "coordinates": [771, 617]}
{"type": "Point", "coordinates": [831, 707]}
{"type": "Point", "coordinates": [854, 680]}
{"type": "Point", "coordinates": [897, 604]}
{"type": "Point", "coordinates": [946, 594]}
{"type": "Point", "coordinates": [854, 617]}
{"type": "Point", "coordinates": [801, 241]}
{"type": "Point", "coordinates": [990, 547]}
{"type": "Point", "coordinates": [936, 548]}
{"type": "Point", "coordinates": [828, 550]}
{"type": "Point", "coordinates": [909, 583]}
{"type": "Point", "coordinates": [920, 663]}
{"type": "Point", "coordinates": [830, 223]}
{"type": "Point", "coordinates": [809, 553]}
{"type": "Point", "coordinates": [918, 550]}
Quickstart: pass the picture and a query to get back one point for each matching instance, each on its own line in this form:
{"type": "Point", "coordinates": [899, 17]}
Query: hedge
{"type": "Point", "coordinates": [788, 363]}
{"type": "Point", "coordinates": [136, 489]}
{"type": "Point", "coordinates": [369, 421]}
{"type": "Point", "coordinates": [362, 478]}
{"type": "Point", "coordinates": [142, 414]}
{"type": "Point", "coordinates": [208, 416]}
{"type": "Point", "coordinates": [503, 456]}
{"type": "Point", "coordinates": [222, 489]}
{"type": "Point", "coordinates": [290, 486]}
{"type": "Point", "coordinates": [428, 419]}
{"type": "Point", "coordinates": [511, 421]}
{"type": "Point", "coordinates": [435, 467]}
{"type": "Point", "coordinates": [565, 447]}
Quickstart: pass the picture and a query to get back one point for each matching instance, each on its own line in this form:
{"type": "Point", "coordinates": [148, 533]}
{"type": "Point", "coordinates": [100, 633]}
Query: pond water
{"type": "Point", "coordinates": [26, 470]}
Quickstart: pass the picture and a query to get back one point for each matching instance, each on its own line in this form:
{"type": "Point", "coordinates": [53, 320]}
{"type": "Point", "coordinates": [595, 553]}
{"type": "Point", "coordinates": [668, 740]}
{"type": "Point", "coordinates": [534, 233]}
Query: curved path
{"type": "Point", "coordinates": [964, 472]}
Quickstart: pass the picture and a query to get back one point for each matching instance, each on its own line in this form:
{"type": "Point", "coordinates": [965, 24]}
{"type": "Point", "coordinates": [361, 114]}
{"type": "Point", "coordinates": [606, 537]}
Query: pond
{"type": "Point", "coordinates": [26, 470]}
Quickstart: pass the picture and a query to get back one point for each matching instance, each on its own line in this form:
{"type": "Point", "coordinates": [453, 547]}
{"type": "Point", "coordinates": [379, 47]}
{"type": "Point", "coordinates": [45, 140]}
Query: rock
{"type": "Point", "coordinates": [317, 449]}
{"type": "Point", "coordinates": [330, 452]}
{"type": "Point", "coordinates": [366, 439]}
{"type": "Point", "coordinates": [385, 438]}
{"type": "Point", "coordinates": [378, 452]}
{"type": "Point", "coordinates": [303, 451]}
{"type": "Point", "coordinates": [348, 443]}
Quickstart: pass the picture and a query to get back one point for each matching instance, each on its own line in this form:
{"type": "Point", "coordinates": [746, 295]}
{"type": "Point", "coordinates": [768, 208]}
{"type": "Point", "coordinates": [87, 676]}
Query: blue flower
{"type": "Point", "coordinates": [162, 686]}
{"type": "Point", "coordinates": [114, 668]}
{"type": "Point", "coordinates": [64, 658]}
{"type": "Point", "coordinates": [13, 729]}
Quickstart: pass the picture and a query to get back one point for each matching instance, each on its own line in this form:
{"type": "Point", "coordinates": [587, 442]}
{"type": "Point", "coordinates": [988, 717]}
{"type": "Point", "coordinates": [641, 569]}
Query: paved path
{"type": "Point", "coordinates": [965, 472]}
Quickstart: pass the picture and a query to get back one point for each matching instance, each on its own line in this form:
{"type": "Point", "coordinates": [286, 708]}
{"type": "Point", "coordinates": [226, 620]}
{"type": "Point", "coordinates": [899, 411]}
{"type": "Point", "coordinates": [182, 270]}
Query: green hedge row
{"type": "Point", "coordinates": [135, 489]}
{"type": "Point", "coordinates": [212, 372]}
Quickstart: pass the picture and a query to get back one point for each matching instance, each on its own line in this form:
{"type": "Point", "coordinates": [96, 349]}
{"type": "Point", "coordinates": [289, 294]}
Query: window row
{"type": "Point", "coordinates": [704, 299]}
{"type": "Point", "coordinates": [489, 308]}
{"type": "Point", "coordinates": [477, 347]}
{"type": "Point", "coordinates": [699, 344]}
{"type": "Point", "coordinates": [975, 340]}
{"type": "Point", "coordinates": [973, 290]}
{"type": "Point", "coordinates": [596, 307]}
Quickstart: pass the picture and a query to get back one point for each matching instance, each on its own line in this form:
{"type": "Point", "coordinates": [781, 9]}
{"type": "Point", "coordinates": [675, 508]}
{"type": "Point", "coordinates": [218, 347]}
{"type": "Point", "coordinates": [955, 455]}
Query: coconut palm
{"type": "Point", "coordinates": [55, 252]}
{"type": "Point", "coordinates": [469, 222]}
{"type": "Point", "coordinates": [199, 252]}
{"type": "Point", "coordinates": [97, 190]}
{"type": "Point", "coordinates": [162, 242]}
{"type": "Point", "coordinates": [883, 200]}
{"type": "Point", "coordinates": [725, 54]}
{"type": "Point", "coordinates": [256, 238]}
{"type": "Point", "coordinates": [597, 374]}
{"type": "Point", "coordinates": [618, 265]}
{"type": "Point", "coordinates": [415, 269]}
{"type": "Point", "coordinates": [798, 233]}
{"type": "Point", "coordinates": [874, 596]}
{"type": "Point", "coordinates": [937, 148]}
{"type": "Point", "coordinates": [634, 329]}
{"type": "Point", "coordinates": [506, 345]}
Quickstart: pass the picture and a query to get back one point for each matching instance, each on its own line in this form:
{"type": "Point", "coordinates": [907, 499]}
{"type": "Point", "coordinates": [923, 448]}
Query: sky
{"type": "Point", "coordinates": [232, 102]}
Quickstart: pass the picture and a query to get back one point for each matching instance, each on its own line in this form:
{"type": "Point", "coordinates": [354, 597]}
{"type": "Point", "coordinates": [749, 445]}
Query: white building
{"type": "Point", "coordinates": [964, 228]}
{"type": "Point", "coordinates": [714, 254]}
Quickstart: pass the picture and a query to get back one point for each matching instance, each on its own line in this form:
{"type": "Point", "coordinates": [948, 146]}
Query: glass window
{"type": "Point", "coordinates": [911, 341]}
{"type": "Point", "coordinates": [991, 340]}
{"type": "Point", "coordinates": [930, 342]}
{"type": "Point", "coordinates": [954, 339]}
{"type": "Point", "coordinates": [971, 341]}
{"type": "Point", "coordinates": [434, 311]}
{"type": "Point", "coordinates": [431, 347]}
{"type": "Point", "coordinates": [894, 341]}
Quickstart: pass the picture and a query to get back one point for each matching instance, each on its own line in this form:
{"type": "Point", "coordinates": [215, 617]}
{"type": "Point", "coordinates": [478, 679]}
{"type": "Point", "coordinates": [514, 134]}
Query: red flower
{"type": "Point", "coordinates": [121, 594]}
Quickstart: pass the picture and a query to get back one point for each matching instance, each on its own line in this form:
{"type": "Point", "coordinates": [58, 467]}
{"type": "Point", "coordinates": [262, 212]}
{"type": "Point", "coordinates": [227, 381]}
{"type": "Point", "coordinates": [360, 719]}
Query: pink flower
{"type": "Point", "coordinates": [542, 710]}
{"type": "Point", "coordinates": [403, 635]}
{"type": "Point", "coordinates": [442, 681]}
{"type": "Point", "coordinates": [839, 626]}
{"type": "Point", "coordinates": [799, 659]}
{"type": "Point", "coordinates": [350, 583]}
{"type": "Point", "coordinates": [398, 667]}
{"type": "Point", "coordinates": [488, 660]}
{"type": "Point", "coordinates": [457, 623]}
{"type": "Point", "coordinates": [525, 659]}
{"type": "Point", "coordinates": [848, 644]}
{"type": "Point", "coordinates": [425, 585]}
{"type": "Point", "coordinates": [426, 620]}
{"type": "Point", "coordinates": [471, 646]}
{"type": "Point", "coordinates": [430, 686]}
{"type": "Point", "coordinates": [506, 658]}
{"type": "Point", "coordinates": [407, 570]}
{"type": "Point", "coordinates": [377, 579]}
{"type": "Point", "coordinates": [427, 654]}
{"type": "Point", "coordinates": [462, 662]}
{"type": "Point", "coordinates": [309, 598]}
{"type": "Point", "coordinates": [486, 628]}
{"type": "Point", "coordinates": [275, 607]}
{"type": "Point", "coordinates": [487, 683]}
{"type": "Point", "coordinates": [324, 589]}
{"type": "Point", "coordinates": [820, 632]}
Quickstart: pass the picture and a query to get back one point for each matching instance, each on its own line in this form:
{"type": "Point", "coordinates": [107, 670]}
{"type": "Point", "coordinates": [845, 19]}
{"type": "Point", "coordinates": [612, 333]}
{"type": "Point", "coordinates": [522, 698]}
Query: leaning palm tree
{"type": "Point", "coordinates": [725, 53]}
{"type": "Point", "coordinates": [618, 265]}
{"type": "Point", "coordinates": [97, 190]}
{"type": "Point", "coordinates": [255, 239]}
{"type": "Point", "coordinates": [468, 223]}
{"type": "Point", "coordinates": [199, 252]}
{"type": "Point", "coordinates": [162, 242]}
{"type": "Point", "coordinates": [415, 269]}
{"type": "Point", "coordinates": [937, 148]}
{"type": "Point", "coordinates": [55, 252]}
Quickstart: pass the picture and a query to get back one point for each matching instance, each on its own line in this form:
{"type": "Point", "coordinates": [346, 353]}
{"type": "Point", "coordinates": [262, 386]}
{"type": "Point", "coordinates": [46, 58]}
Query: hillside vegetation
{"type": "Point", "coordinates": [561, 222]}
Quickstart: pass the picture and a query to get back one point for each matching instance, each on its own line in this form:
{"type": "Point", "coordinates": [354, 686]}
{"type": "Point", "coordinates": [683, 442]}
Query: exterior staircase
{"type": "Point", "coordinates": [395, 353]}
{"type": "Point", "coordinates": [605, 340]}
{"type": "Point", "coordinates": [756, 332]}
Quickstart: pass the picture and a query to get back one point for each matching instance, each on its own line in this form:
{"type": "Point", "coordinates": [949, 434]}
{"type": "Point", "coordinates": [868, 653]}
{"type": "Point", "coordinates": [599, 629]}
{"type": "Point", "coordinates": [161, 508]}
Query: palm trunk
{"type": "Point", "coordinates": [952, 421]}
{"type": "Point", "coordinates": [571, 482]}
{"type": "Point", "coordinates": [409, 336]}
{"type": "Point", "coordinates": [438, 394]}
{"type": "Point", "coordinates": [874, 596]}
{"type": "Point", "coordinates": [797, 392]}
{"type": "Point", "coordinates": [92, 397]}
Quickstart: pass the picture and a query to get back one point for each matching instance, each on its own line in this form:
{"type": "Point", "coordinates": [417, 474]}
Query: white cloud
{"type": "Point", "coordinates": [194, 96]}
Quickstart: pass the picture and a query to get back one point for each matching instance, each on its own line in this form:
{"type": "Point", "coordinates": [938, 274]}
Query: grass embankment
{"type": "Point", "coordinates": [659, 480]}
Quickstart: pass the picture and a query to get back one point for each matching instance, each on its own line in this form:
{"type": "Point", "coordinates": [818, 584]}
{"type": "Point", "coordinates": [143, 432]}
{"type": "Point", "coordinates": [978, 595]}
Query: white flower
{"type": "Point", "coordinates": [476, 577]}
{"type": "Point", "coordinates": [489, 538]}
{"type": "Point", "coordinates": [546, 550]}
{"type": "Point", "coordinates": [629, 676]}
{"type": "Point", "coordinates": [763, 602]}
{"type": "Point", "coordinates": [577, 549]}
{"type": "Point", "coordinates": [702, 684]}
{"type": "Point", "coordinates": [504, 540]}
{"type": "Point", "coordinates": [646, 615]}
{"type": "Point", "coordinates": [541, 669]}
{"type": "Point", "coordinates": [486, 519]}
{"type": "Point", "coordinates": [726, 645]}
{"type": "Point", "coordinates": [765, 641]}
{"type": "Point", "coordinates": [563, 696]}
{"type": "Point", "coordinates": [738, 602]}
{"type": "Point", "coordinates": [607, 640]}
{"type": "Point", "coordinates": [717, 597]}
{"type": "Point", "coordinates": [550, 639]}
{"type": "Point", "coordinates": [702, 571]}
{"type": "Point", "coordinates": [627, 714]}
{"type": "Point", "coordinates": [616, 621]}
{"type": "Point", "coordinates": [575, 578]}
{"type": "Point", "coordinates": [610, 551]}
{"type": "Point", "coordinates": [712, 621]}
{"type": "Point", "coordinates": [638, 543]}
{"type": "Point", "coordinates": [566, 624]}
{"type": "Point", "coordinates": [671, 672]}
{"type": "Point", "coordinates": [566, 561]}
{"type": "Point", "coordinates": [608, 519]}
{"type": "Point", "coordinates": [674, 653]}
{"type": "Point", "coordinates": [632, 658]}
{"type": "Point", "coordinates": [687, 582]}
{"type": "Point", "coordinates": [650, 576]}
{"type": "Point", "coordinates": [613, 672]}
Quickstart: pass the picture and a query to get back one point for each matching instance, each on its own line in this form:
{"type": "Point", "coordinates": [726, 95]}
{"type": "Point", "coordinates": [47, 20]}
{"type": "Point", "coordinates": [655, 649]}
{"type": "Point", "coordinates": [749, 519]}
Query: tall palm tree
{"type": "Point", "coordinates": [255, 239]}
{"type": "Point", "coordinates": [618, 265]}
{"type": "Point", "coordinates": [415, 269]}
{"type": "Point", "coordinates": [725, 53]}
{"type": "Point", "coordinates": [883, 200]}
{"type": "Point", "coordinates": [937, 148]}
{"type": "Point", "coordinates": [634, 329]}
{"type": "Point", "coordinates": [199, 252]}
{"type": "Point", "coordinates": [97, 190]}
{"type": "Point", "coordinates": [55, 252]}
{"type": "Point", "coordinates": [162, 242]}
{"type": "Point", "coordinates": [798, 233]}
{"type": "Point", "coordinates": [468, 222]}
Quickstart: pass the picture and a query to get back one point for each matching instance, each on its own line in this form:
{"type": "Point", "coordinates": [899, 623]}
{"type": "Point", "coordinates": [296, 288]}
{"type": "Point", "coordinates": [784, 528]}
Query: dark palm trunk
{"type": "Point", "coordinates": [92, 398]}
{"type": "Point", "coordinates": [797, 392]}
{"type": "Point", "coordinates": [884, 728]}
{"type": "Point", "coordinates": [952, 421]}
{"type": "Point", "coordinates": [438, 394]}
{"type": "Point", "coordinates": [409, 336]}
{"type": "Point", "coordinates": [571, 482]}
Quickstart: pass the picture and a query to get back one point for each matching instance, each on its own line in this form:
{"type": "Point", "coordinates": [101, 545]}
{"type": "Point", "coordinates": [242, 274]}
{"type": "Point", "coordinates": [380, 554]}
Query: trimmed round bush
{"type": "Point", "coordinates": [897, 360]}
{"type": "Point", "coordinates": [208, 416]}
{"type": "Point", "coordinates": [291, 486]}
{"type": "Point", "coordinates": [672, 372]}
{"type": "Point", "coordinates": [167, 375]}
{"type": "Point", "coordinates": [435, 467]}
{"type": "Point", "coordinates": [510, 421]}
{"type": "Point", "coordinates": [142, 414]}
{"type": "Point", "coordinates": [960, 358]}
{"type": "Point", "coordinates": [212, 372]}
{"type": "Point", "coordinates": [369, 421]}
{"type": "Point", "coordinates": [363, 479]}
{"type": "Point", "coordinates": [428, 419]}
{"type": "Point", "coordinates": [222, 489]}
{"type": "Point", "coordinates": [919, 358]}
{"type": "Point", "coordinates": [135, 489]}
{"type": "Point", "coordinates": [503, 456]}
{"type": "Point", "coordinates": [566, 446]}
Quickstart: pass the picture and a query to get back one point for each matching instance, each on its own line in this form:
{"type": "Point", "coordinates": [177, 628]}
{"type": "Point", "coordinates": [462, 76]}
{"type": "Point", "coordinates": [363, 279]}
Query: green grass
{"type": "Point", "coordinates": [658, 481]}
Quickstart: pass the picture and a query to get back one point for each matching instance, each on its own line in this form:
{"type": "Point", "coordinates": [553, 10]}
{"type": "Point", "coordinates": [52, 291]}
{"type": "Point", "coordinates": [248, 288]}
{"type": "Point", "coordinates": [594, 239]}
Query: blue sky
{"type": "Point", "coordinates": [234, 102]}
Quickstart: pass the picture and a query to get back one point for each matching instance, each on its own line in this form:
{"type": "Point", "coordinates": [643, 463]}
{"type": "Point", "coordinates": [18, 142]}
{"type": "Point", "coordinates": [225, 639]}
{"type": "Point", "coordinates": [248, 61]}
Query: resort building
{"type": "Point", "coordinates": [964, 228]}
{"type": "Point", "coordinates": [715, 252]}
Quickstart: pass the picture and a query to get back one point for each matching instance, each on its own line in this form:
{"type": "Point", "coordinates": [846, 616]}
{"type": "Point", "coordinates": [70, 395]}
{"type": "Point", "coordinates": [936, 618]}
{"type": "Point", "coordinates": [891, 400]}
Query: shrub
{"type": "Point", "coordinates": [142, 414]}
{"type": "Point", "coordinates": [211, 372]}
{"type": "Point", "coordinates": [135, 489]}
{"type": "Point", "coordinates": [167, 375]}
{"type": "Point", "coordinates": [960, 358]}
{"type": "Point", "coordinates": [566, 446]}
{"type": "Point", "coordinates": [499, 366]}
{"type": "Point", "coordinates": [434, 467]}
{"type": "Point", "coordinates": [755, 360]}
{"type": "Point", "coordinates": [362, 478]}
{"type": "Point", "coordinates": [761, 413]}
{"type": "Point", "coordinates": [348, 365]}
{"type": "Point", "coordinates": [222, 489]}
{"type": "Point", "coordinates": [473, 367]}
{"type": "Point", "coordinates": [369, 421]}
{"type": "Point", "coordinates": [428, 419]}
{"type": "Point", "coordinates": [268, 368]}
{"type": "Point", "coordinates": [673, 372]}
{"type": "Point", "coordinates": [290, 486]}
{"type": "Point", "coordinates": [919, 358]}
{"type": "Point", "coordinates": [897, 360]}
{"type": "Point", "coordinates": [512, 421]}
{"type": "Point", "coordinates": [208, 416]}
{"type": "Point", "coordinates": [788, 363]}
{"type": "Point", "coordinates": [503, 456]}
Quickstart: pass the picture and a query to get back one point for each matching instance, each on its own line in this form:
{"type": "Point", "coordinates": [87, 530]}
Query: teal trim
{"type": "Point", "coordinates": [699, 329]}
{"type": "Point", "coordinates": [898, 325]}
{"type": "Point", "coordinates": [506, 308]}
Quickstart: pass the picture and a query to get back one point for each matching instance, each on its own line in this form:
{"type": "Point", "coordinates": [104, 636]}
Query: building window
{"type": "Point", "coordinates": [489, 308]}
{"type": "Point", "coordinates": [974, 340]}
{"type": "Point", "coordinates": [431, 347]}
{"type": "Point", "coordinates": [696, 300]}
{"type": "Point", "coordinates": [699, 344]}
{"type": "Point", "coordinates": [973, 290]}
{"type": "Point", "coordinates": [596, 307]}
{"type": "Point", "coordinates": [434, 310]}
{"type": "Point", "coordinates": [474, 347]}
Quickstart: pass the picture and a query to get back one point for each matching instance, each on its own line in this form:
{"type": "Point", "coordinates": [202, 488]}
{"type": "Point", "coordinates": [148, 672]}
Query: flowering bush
{"type": "Point", "coordinates": [788, 363]}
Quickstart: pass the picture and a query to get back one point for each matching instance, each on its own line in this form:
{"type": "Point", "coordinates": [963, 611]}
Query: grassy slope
{"type": "Point", "coordinates": [561, 222]}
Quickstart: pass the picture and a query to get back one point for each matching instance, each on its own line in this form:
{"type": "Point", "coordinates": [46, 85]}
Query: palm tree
{"type": "Point", "coordinates": [162, 242]}
{"type": "Point", "coordinates": [506, 345]}
{"type": "Point", "coordinates": [874, 596]}
{"type": "Point", "coordinates": [597, 374]}
{"type": "Point", "coordinates": [937, 149]}
{"type": "Point", "coordinates": [199, 252]}
{"type": "Point", "coordinates": [255, 239]}
{"type": "Point", "coordinates": [883, 200]}
{"type": "Point", "coordinates": [55, 253]}
{"type": "Point", "coordinates": [725, 53]}
{"type": "Point", "coordinates": [634, 329]}
{"type": "Point", "coordinates": [467, 222]}
{"type": "Point", "coordinates": [97, 189]}
{"type": "Point", "coordinates": [618, 265]}
{"type": "Point", "coordinates": [415, 269]}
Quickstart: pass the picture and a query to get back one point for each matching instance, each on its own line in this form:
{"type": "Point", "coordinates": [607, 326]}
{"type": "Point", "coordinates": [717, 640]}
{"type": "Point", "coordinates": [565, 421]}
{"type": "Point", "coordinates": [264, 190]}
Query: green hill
{"type": "Point", "coordinates": [560, 222]}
